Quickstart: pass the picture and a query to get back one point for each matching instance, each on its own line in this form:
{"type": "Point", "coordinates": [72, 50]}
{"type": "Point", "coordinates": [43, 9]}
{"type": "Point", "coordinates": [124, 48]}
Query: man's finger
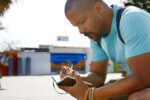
{"type": "Point", "coordinates": [78, 79]}
{"type": "Point", "coordinates": [62, 75]}
{"type": "Point", "coordinates": [73, 73]}
{"type": "Point", "coordinates": [68, 69]}
{"type": "Point", "coordinates": [63, 70]}
{"type": "Point", "coordinates": [65, 88]}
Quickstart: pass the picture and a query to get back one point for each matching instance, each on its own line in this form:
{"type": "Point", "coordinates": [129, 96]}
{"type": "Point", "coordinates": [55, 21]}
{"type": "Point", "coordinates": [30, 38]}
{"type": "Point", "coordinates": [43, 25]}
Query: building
{"type": "Point", "coordinates": [47, 59]}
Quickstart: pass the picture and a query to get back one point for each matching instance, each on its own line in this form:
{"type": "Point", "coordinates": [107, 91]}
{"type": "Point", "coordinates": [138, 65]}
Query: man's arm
{"type": "Point", "coordinates": [139, 79]}
{"type": "Point", "coordinates": [97, 73]}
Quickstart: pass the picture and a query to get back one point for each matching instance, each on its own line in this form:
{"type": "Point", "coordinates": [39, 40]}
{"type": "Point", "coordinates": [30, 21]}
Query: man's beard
{"type": "Point", "coordinates": [98, 37]}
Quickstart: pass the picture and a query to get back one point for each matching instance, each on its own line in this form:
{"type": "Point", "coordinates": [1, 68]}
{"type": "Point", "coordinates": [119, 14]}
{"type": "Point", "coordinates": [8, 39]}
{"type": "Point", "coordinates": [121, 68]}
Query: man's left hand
{"type": "Point", "coordinates": [78, 90]}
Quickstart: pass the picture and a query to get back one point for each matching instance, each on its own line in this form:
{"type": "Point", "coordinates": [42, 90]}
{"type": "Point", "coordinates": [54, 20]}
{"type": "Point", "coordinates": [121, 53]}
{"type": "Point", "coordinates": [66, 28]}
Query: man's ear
{"type": "Point", "coordinates": [98, 7]}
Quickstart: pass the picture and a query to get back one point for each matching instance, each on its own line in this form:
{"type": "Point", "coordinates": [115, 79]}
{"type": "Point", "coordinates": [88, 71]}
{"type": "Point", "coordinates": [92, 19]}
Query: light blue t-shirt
{"type": "Point", "coordinates": [135, 31]}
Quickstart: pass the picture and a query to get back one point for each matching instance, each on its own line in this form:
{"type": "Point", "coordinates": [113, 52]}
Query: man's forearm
{"type": "Point", "coordinates": [94, 78]}
{"type": "Point", "coordinates": [121, 87]}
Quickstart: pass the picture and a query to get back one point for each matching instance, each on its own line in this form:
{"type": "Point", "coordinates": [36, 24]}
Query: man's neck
{"type": "Point", "coordinates": [108, 20]}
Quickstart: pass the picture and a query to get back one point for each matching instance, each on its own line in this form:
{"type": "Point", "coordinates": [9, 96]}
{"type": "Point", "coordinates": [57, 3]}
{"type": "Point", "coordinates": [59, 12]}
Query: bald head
{"type": "Point", "coordinates": [80, 4]}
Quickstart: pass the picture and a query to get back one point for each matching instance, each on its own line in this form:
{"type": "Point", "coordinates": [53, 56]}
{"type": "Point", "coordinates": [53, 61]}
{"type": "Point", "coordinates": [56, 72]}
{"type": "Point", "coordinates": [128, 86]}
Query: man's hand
{"type": "Point", "coordinates": [78, 90]}
{"type": "Point", "coordinates": [66, 71]}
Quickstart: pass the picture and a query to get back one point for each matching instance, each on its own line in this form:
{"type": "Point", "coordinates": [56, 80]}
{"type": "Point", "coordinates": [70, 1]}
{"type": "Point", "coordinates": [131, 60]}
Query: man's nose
{"type": "Point", "coordinates": [82, 30]}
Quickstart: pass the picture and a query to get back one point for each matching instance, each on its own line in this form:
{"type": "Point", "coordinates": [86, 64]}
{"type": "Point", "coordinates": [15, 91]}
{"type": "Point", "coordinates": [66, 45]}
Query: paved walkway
{"type": "Point", "coordinates": [33, 88]}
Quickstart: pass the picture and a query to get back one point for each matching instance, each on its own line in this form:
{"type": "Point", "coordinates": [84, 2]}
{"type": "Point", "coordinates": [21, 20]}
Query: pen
{"type": "Point", "coordinates": [71, 68]}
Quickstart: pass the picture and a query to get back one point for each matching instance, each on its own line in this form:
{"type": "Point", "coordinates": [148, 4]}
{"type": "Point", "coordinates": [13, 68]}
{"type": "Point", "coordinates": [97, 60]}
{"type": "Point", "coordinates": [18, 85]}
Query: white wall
{"type": "Point", "coordinates": [40, 62]}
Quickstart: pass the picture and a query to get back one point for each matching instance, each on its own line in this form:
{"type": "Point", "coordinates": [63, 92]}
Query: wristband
{"type": "Point", "coordinates": [92, 95]}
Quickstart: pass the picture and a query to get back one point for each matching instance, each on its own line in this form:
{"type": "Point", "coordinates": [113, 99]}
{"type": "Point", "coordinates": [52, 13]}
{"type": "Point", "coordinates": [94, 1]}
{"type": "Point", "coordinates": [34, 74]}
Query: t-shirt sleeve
{"type": "Point", "coordinates": [135, 31]}
{"type": "Point", "coordinates": [97, 53]}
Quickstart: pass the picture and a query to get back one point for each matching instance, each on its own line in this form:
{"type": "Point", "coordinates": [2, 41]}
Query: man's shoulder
{"type": "Point", "coordinates": [132, 16]}
{"type": "Point", "coordinates": [133, 11]}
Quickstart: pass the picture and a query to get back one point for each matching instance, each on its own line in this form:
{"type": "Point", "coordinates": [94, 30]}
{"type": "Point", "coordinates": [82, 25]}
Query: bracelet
{"type": "Point", "coordinates": [91, 93]}
{"type": "Point", "coordinates": [86, 94]}
{"type": "Point", "coordinates": [92, 96]}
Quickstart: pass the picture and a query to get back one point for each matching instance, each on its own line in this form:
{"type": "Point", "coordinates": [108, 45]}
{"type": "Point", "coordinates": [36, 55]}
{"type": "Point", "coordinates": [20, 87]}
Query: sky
{"type": "Point", "coordinates": [30, 23]}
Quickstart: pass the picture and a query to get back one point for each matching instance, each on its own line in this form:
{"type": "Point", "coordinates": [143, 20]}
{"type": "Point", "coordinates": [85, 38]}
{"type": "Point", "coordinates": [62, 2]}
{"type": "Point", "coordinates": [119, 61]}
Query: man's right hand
{"type": "Point", "coordinates": [66, 71]}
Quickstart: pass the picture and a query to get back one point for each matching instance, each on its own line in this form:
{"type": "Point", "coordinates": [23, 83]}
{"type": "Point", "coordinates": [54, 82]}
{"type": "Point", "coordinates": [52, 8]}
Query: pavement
{"type": "Point", "coordinates": [34, 88]}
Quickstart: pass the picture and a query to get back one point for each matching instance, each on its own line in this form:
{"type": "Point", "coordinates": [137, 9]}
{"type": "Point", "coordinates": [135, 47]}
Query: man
{"type": "Point", "coordinates": [97, 21]}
